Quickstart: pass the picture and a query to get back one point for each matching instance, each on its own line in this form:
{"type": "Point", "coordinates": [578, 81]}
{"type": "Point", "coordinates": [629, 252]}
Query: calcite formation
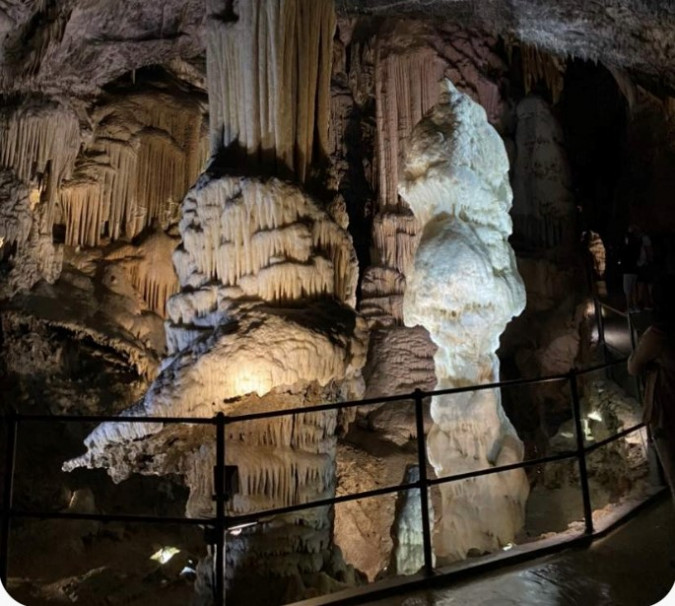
{"type": "Point", "coordinates": [265, 318]}
{"type": "Point", "coordinates": [269, 67]}
{"type": "Point", "coordinates": [544, 210]}
{"type": "Point", "coordinates": [408, 553]}
{"type": "Point", "coordinates": [464, 289]}
{"type": "Point", "coordinates": [147, 149]}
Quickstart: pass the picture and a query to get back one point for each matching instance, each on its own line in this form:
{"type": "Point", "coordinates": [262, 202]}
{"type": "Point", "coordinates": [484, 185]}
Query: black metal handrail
{"type": "Point", "coordinates": [221, 522]}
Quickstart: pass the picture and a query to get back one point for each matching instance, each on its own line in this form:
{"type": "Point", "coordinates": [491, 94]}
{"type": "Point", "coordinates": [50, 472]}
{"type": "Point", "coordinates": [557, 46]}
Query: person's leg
{"type": "Point", "coordinates": [629, 285]}
{"type": "Point", "coordinates": [666, 453]}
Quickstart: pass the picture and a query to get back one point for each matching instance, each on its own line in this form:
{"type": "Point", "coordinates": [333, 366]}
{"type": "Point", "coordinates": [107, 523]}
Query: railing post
{"type": "Point", "coordinates": [219, 480]}
{"type": "Point", "coordinates": [581, 451]}
{"type": "Point", "coordinates": [10, 459]}
{"type": "Point", "coordinates": [637, 380]}
{"type": "Point", "coordinates": [600, 321]}
{"type": "Point", "coordinates": [424, 489]}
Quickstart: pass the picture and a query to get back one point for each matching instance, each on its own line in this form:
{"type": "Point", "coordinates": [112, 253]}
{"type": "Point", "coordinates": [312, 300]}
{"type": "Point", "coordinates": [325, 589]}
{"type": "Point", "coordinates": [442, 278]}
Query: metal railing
{"type": "Point", "coordinates": [222, 521]}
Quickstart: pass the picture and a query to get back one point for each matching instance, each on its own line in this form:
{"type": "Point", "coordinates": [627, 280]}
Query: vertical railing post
{"type": "Point", "coordinates": [424, 489]}
{"type": "Point", "coordinates": [219, 480]}
{"type": "Point", "coordinates": [600, 321]}
{"type": "Point", "coordinates": [581, 451]}
{"type": "Point", "coordinates": [10, 459]}
{"type": "Point", "coordinates": [637, 379]}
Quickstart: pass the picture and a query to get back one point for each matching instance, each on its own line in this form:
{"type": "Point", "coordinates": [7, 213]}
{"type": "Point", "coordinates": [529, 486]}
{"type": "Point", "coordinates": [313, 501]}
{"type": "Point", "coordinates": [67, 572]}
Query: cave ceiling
{"type": "Point", "coordinates": [77, 46]}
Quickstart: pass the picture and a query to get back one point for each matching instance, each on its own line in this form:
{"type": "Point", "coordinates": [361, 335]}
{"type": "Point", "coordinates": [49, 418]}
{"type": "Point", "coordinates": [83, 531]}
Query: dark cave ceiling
{"type": "Point", "coordinates": [75, 46]}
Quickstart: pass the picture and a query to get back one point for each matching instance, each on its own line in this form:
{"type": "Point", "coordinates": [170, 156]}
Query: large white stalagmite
{"type": "Point", "coordinates": [464, 289]}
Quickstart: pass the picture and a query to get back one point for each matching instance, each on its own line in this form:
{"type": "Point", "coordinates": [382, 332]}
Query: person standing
{"type": "Point", "coordinates": [629, 256]}
{"type": "Point", "coordinates": [655, 357]}
{"type": "Point", "coordinates": [645, 273]}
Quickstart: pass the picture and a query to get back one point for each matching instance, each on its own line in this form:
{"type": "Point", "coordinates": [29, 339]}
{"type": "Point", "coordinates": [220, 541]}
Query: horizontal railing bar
{"type": "Point", "coordinates": [299, 410]}
{"type": "Point", "coordinates": [585, 371]}
{"type": "Point", "coordinates": [613, 309]}
{"type": "Point", "coordinates": [254, 517]}
{"type": "Point", "coordinates": [42, 418]}
{"type": "Point", "coordinates": [568, 454]}
{"type": "Point", "coordinates": [612, 438]}
{"type": "Point", "coordinates": [342, 405]}
{"type": "Point", "coordinates": [104, 517]}
{"type": "Point", "coordinates": [237, 520]}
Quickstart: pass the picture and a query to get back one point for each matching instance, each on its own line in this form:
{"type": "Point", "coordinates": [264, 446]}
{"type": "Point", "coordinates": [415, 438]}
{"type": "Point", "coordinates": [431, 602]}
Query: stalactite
{"type": "Point", "coordinates": [40, 141]}
{"type": "Point", "coordinates": [395, 236]}
{"type": "Point", "coordinates": [406, 87]}
{"type": "Point", "coordinates": [537, 66]}
{"type": "Point", "coordinates": [150, 269]}
{"type": "Point", "coordinates": [287, 46]}
{"type": "Point", "coordinates": [147, 151]}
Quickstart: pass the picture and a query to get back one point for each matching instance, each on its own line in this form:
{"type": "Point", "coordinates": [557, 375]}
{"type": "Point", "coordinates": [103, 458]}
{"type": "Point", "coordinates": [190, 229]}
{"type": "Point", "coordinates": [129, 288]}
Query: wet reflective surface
{"type": "Point", "coordinates": [633, 566]}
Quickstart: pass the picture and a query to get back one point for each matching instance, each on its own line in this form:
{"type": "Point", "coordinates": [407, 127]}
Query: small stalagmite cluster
{"type": "Point", "coordinates": [464, 289]}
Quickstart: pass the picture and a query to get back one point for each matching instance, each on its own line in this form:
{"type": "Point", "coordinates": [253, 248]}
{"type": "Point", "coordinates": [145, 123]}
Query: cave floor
{"type": "Point", "coordinates": [632, 566]}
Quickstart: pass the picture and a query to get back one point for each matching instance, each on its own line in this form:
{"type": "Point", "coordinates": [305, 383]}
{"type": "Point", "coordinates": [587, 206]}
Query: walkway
{"type": "Point", "coordinates": [630, 567]}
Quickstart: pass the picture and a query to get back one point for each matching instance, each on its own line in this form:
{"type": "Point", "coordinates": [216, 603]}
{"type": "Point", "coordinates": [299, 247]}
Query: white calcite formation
{"type": "Point", "coordinates": [264, 321]}
{"type": "Point", "coordinates": [265, 318]}
{"type": "Point", "coordinates": [464, 290]}
{"type": "Point", "coordinates": [408, 553]}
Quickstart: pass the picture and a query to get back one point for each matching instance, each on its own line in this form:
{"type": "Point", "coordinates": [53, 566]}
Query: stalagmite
{"type": "Point", "coordinates": [464, 289]}
{"type": "Point", "coordinates": [265, 318]}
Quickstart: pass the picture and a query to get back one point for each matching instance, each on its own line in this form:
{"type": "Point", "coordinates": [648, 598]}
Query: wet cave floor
{"type": "Point", "coordinates": [632, 566]}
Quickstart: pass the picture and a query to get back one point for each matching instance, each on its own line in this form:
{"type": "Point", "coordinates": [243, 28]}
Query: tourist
{"type": "Point", "coordinates": [629, 256]}
{"type": "Point", "coordinates": [655, 357]}
{"type": "Point", "coordinates": [645, 273]}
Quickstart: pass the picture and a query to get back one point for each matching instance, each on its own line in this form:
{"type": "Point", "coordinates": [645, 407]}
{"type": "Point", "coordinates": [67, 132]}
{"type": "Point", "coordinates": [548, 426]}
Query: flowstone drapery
{"type": "Point", "coordinates": [464, 289]}
{"type": "Point", "coordinates": [265, 318]}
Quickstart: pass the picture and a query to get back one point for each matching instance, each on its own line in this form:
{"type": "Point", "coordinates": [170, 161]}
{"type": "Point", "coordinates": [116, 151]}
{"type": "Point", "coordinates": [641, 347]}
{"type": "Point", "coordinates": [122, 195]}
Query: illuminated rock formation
{"type": "Point", "coordinates": [463, 290]}
{"type": "Point", "coordinates": [265, 317]}
{"type": "Point", "coordinates": [39, 141]}
{"type": "Point", "coordinates": [269, 67]}
{"type": "Point", "coordinates": [147, 150]}
{"type": "Point", "coordinates": [149, 268]}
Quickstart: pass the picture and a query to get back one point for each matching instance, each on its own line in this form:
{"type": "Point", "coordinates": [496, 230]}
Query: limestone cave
{"type": "Point", "coordinates": [243, 243]}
